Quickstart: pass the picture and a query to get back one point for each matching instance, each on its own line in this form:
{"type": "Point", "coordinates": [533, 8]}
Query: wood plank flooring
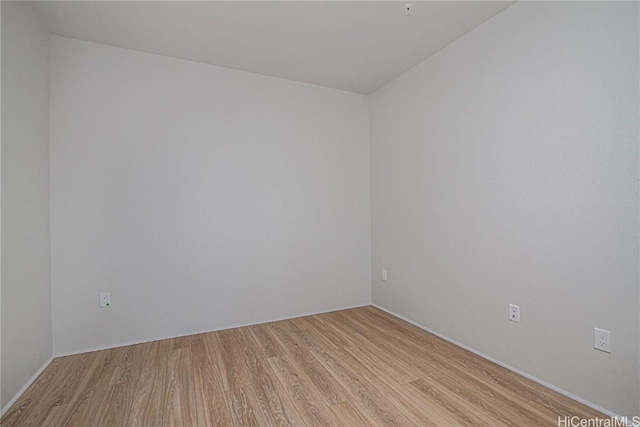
{"type": "Point", "coordinates": [357, 367]}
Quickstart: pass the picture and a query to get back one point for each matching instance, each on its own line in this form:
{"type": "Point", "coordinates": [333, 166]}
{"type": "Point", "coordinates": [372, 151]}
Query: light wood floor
{"type": "Point", "coordinates": [349, 368]}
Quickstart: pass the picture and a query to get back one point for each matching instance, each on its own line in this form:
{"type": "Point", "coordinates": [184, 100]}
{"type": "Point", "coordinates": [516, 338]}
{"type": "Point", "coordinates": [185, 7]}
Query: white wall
{"type": "Point", "coordinates": [200, 197]}
{"type": "Point", "coordinates": [26, 279]}
{"type": "Point", "coordinates": [505, 170]}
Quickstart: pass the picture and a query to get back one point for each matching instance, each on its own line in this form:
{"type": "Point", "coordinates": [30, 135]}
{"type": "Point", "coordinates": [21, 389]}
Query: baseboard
{"type": "Point", "coordinates": [25, 387]}
{"type": "Point", "coordinates": [504, 365]}
{"type": "Point", "coordinates": [232, 326]}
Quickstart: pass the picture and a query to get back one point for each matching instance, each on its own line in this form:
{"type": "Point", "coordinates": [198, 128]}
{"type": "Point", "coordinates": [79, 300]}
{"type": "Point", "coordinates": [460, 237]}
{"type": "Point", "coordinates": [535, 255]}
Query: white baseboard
{"type": "Point", "coordinates": [25, 387]}
{"type": "Point", "coordinates": [504, 365]}
{"type": "Point", "coordinates": [225, 327]}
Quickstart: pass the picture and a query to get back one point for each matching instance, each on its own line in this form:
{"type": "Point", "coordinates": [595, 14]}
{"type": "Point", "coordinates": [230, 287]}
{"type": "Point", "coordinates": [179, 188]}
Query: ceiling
{"type": "Point", "coordinates": [356, 46]}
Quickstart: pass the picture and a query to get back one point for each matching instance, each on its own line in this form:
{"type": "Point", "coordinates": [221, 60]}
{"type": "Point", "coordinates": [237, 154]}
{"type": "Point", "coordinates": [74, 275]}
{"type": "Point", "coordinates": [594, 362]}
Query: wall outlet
{"type": "Point", "coordinates": [105, 299]}
{"type": "Point", "coordinates": [384, 275]}
{"type": "Point", "coordinates": [514, 313]}
{"type": "Point", "coordinates": [602, 340]}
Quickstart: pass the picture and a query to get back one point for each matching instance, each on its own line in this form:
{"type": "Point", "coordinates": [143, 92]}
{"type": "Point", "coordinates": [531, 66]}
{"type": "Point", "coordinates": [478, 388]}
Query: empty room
{"type": "Point", "coordinates": [323, 213]}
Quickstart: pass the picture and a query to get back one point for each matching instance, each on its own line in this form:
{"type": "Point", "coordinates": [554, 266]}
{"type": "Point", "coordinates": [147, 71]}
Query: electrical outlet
{"type": "Point", "coordinates": [384, 275]}
{"type": "Point", "coordinates": [514, 313]}
{"type": "Point", "coordinates": [602, 340]}
{"type": "Point", "coordinates": [105, 299]}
